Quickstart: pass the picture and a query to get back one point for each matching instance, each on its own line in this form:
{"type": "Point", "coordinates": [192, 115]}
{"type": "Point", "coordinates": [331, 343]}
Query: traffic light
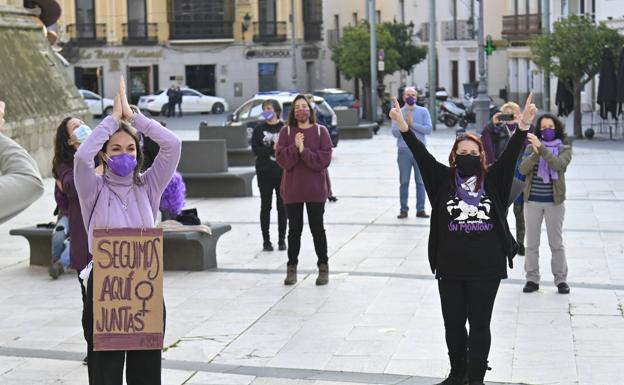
{"type": "Point", "coordinates": [489, 46]}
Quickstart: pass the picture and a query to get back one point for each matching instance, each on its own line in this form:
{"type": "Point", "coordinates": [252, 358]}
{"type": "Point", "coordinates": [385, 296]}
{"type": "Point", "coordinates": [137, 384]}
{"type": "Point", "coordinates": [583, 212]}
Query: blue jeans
{"type": "Point", "coordinates": [406, 162]}
{"type": "Point", "coordinates": [60, 243]}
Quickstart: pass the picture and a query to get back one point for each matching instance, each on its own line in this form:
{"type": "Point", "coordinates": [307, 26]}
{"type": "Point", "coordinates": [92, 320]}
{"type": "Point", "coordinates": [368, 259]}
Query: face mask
{"type": "Point", "coordinates": [467, 165]}
{"type": "Point", "coordinates": [268, 115]}
{"type": "Point", "coordinates": [410, 100]}
{"type": "Point", "coordinates": [81, 133]}
{"type": "Point", "coordinates": [302, 115]}
{"type": "Point", "coordinates": [122, 165]}
{"type": "Point", "coordinates": [548, 134]}
{"type": "Point", "coordinates": [512, 126]}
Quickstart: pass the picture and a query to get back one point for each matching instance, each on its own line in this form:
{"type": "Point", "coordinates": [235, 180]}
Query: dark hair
{"type": "Point", "coordinates": [292, 122]}
{"type": "Point", "coordinates": [63, 151]}
{"type": "Point", "coordinates": [559, 129]}
{"type": "Point", "coordinates": [482, 170]}
{"type": "Point", "coordinates": [275, 105]}
{"type": "Point", "coordinates": [134, 134]}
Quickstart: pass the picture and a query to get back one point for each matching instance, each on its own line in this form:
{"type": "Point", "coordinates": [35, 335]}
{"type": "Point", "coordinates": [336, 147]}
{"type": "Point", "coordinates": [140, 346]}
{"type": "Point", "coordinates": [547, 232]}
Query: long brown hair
{"type": "Point", "coordinates": [292, 122]}
{"type": "Point", "coordinates": [63, 151]}
{"type": "Point", "coordinates": [482, 170]}
{"type": "Point", "coordinates": [133, 133]}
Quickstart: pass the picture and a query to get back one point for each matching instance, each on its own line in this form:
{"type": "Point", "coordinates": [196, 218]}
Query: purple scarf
{"type": "Point", "coordinates": [464, 189]}
{"type": "Point", "coordinates": [543, 169]}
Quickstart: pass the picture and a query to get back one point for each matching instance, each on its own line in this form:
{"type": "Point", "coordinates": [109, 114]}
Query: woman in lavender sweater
{"type": "Point", "coordinates": [121, 197]}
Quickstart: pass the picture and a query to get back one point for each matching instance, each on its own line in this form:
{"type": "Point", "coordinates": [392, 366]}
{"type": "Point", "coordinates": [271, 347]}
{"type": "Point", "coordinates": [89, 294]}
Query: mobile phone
{"type": "Point", "coordinates": [506, 117]}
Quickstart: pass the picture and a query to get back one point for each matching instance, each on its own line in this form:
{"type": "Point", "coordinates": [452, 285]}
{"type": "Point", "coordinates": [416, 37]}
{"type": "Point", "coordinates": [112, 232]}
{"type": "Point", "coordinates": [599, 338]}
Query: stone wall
{"type": "Point", "coordinates": [34, 85]}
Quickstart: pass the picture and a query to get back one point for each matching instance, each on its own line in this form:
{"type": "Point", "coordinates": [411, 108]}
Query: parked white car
{"type": "Point", "coordinates": [192, 101]}
{"type": "Point", "coordinates": [96, 103]}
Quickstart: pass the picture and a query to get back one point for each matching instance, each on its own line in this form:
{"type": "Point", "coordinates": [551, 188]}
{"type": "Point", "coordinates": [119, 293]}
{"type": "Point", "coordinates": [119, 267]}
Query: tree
{"type": "Point", "coordinates": [352, 53]}
{"type": "Point", "coordinates": [409, 53]}
{"type": "Point", "coordinates": [573, 53]}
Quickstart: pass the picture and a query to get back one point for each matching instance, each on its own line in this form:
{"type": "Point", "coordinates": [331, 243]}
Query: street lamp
{"type": "Point", "coordinates": [246, 23]}
{"type": "Point", "coordinates": [482, 102]}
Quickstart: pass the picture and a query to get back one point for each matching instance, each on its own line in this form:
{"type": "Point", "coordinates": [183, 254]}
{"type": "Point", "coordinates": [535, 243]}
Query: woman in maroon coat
{"type": "Point", "coordinates": [304, 152]}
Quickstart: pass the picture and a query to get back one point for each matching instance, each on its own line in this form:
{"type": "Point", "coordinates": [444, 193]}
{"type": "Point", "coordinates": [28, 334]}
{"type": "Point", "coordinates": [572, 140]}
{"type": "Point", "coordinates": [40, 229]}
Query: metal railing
{"type": "Point", "coordinates": [457, 30]}
{"type": "Point", "coordinates": [87, 33]}
{"type": "Point", "coordinates": [140, 33]}
{"type": "Point", "coordinates": [269, 31]}
{"type": "Point", "coordinates": [313, 30]}
{"type": "Point", "coordinates": [521, 27]}
{"type": "Point", "coordinates": [183, 30]}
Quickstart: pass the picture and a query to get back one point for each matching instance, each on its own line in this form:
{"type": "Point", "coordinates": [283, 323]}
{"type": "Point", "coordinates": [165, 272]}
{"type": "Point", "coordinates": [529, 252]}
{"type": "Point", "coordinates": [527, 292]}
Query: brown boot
{"type": "Point", "coordinates": [323, 276]}
{"type": "Point", "coordinates": [291, 275]}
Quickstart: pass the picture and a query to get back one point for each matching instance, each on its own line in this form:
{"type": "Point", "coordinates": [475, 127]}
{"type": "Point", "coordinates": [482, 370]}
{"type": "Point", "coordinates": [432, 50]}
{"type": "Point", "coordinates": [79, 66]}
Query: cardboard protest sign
{"type": "Point", "coordinates": [127, 289]}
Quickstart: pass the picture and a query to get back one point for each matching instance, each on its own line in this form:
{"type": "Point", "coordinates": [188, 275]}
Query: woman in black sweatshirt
{"type": "Point", "coordinates": [268, 172]}
{"type": "Point", "coordinates": [469, 238]}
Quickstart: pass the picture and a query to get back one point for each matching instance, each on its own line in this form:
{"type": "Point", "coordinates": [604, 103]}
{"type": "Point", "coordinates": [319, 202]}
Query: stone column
{"type": "Point", "coordinates": [34, 84]}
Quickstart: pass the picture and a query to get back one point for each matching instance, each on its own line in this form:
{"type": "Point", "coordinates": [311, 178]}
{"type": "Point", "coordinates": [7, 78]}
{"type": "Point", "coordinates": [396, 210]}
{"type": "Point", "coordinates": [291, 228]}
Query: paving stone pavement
{"type": "Point", "coordinates": [377, 322]}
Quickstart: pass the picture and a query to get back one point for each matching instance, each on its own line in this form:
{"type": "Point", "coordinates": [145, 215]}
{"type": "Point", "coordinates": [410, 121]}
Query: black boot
{"type": "Point", "coordinates": [476, 372]}
{"type": "Point", "coordinates": [458, 371]}
{"type": "Point", "coordinates": [452, 380]}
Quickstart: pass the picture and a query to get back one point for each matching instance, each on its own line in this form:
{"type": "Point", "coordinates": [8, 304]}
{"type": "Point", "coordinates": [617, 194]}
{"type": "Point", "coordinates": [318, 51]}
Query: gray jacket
{"type": "Point", "coordinates": [558, 163]}
{"type": "Point", "coordinates": [20, 182]}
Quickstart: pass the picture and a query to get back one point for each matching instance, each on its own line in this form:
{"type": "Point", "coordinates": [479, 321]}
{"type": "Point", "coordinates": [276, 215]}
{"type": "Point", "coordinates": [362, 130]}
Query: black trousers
{"type": "Point", "coordinates": [179, 108]}
{"type": "Point", "coordinates": [267, 183]}
{"type": "Point", "coordinates": [143, 367]}
{"type": "Point", "coordinates": [171, 109]}
{"type": "Point", "coordinates": [472, 301]}
{"type": "Point", "coordinates": [295, 227]}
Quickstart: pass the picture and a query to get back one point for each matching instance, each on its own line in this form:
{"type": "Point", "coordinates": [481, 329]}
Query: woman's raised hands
{"type": "Point", "coordinates": [127, 113]}
{"type": "Point", "coordinates": [530, 110]}
{"type": "Point", "coordinates": [121, 108]}
{"type": "Point", "coordinates": [397, 116]}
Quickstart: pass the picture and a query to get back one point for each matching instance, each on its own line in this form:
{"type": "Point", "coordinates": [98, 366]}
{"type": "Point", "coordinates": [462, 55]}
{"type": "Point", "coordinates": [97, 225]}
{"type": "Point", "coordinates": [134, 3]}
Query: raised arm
{"type": "Point", "coordinates": [503, 169]}
{"type": "Point", "coordinates": [431, 170]}
{"type": "Point", "coordinates": [320, 159]}
{"type": "Point", "coordinates": [286, 154]}
{"type": "Point", "coordinates": [85, 179]}
{"type": "Point", "coordinates": [20, 182]}
{"type": "Point", "coordinates": [166, 162]}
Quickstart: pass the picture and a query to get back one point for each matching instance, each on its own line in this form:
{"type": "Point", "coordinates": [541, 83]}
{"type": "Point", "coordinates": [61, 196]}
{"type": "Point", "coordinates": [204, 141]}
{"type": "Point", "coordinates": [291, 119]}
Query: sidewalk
{"type": "Point", "coordinates": [377, 322]}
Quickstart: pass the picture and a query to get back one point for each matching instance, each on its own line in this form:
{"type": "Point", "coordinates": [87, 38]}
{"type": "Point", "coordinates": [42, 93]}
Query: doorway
{"type": "Point", "coordinates": [201, 78]}
{"type": "Point", "coordinates": [138, 83]}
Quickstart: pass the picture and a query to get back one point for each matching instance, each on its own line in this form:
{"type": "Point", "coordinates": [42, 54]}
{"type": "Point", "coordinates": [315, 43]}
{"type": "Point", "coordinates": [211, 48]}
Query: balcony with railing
{"type": "Point", "coordinates": [269, 31]}
{"type": "Point", "coordinates": [140, 33]}
{"type": "Point", "coordinates": [87, 34]}
{"type": "Point", "coordinates": [312, 30]}
{"type": "Point", "coordinates": [521, 27]}
{"type": "Point", "coordinates": [196, 30]}
{"type": "Point", "coordinates": [457, 30]}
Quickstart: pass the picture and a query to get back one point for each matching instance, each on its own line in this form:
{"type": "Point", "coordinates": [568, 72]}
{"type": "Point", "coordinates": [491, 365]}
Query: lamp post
{"type": "Point", "coordinates": [482, 102]}
{"type": "Point", "coordinates": [246, 23]}
{"type": "Point", "coordinates": [372, 12]}
{"type": "Point", "coordinates": [293, 45]}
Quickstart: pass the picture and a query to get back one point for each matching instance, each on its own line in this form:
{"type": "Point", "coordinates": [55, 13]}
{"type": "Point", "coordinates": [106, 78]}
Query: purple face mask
{"type": "Point", "coordinates": [122, 165]}
{"type": "Point", "coordinates": [548, 134]}
{"type": "Point", "coordinates": [410, 100]}
{"type": "Point", "coordinates": [268, 115]}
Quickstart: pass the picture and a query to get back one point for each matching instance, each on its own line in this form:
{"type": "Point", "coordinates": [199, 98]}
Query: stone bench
{"type": "Point", "coordinates": [236, 138]}
{"type": "Point", "coordinates": [351, 127]}
{"type": "Point", "coordinates": [182, 250]}
{"type": "Point", "coordinates": [204, 168]}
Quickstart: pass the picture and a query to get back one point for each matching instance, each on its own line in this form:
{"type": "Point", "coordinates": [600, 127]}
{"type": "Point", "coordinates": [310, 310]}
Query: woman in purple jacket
{"type": "Point", "coordinates": [304, 151]}
{"type": "Point", "coordinates": [122, 197]}
{"type": "Point", "coordinates": [69, 135]}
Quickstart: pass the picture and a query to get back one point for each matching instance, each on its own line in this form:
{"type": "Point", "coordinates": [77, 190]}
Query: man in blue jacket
{"type": "Point", "coordinates": [419, 121]}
